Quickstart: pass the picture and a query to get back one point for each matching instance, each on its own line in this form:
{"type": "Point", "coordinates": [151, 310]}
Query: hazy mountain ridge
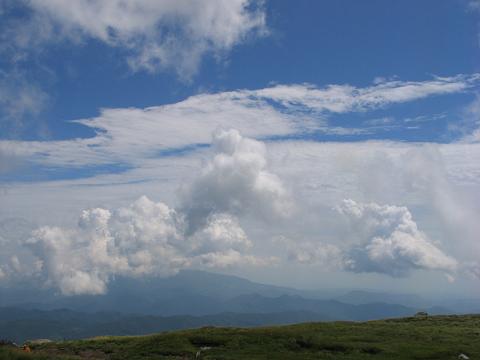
{"type": "Point", "coordinates": [202, 293]}
{"type": "Point", "coordinates": [189, 299]}
{"type": "Point", "coordinates": [198, 293]}
{"type": "Point", "coordinates": [255, 310]}
{"type": "Point", "coordinates": [20, 325]}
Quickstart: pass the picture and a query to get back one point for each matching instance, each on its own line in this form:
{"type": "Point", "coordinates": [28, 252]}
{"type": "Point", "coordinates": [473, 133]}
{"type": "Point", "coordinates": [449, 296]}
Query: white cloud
{"type": "Point", "coordinates": [222, 232]}
{"type": "Point", "coordinates": [9, 159]}
{"type": "Point", "coordinates": [386, 239]}
{"type": "Point", "coordinates": [318, 175]}
{"type": "Point", "coordinates": [470, 126]}
{"type": "Point", "coordinates": [345, 98]}
{"type": "Point", "coordinates": [235, 181]}
{"type": "Point", "coordinates": [438, 183]}
{"type": "Point", "coordinates": [152, 238]}
{"type": "Point", "coordinates": [133, 135]}
{"type": "Point", "coordinates": [143, 238]}
{"type": "Point", "coordinates": [169, 34]}
{"type": "Point", "coordinates": [150, 35]}
{"type": "Point", "coordinates": [384, 121]}
{"type": "Point", "coordinates": [309, 252]}
{"type": "Point", "coordinates": [474, 5]}
{"type": "Point", "coordinates": [233, 257]}
{"type": "Point", "coordinates": [382, 239]}
{"type": "Point", "coordinates": [19, 98]}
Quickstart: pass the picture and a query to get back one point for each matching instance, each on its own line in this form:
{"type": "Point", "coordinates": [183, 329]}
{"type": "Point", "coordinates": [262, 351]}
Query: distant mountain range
{"type": "Point", "coordinates": [248, 310]}
{"type": "Point", "coordinates": [20, 325]}
{"type": "Point", "coordinates": [192, 299]}
{"type": "Point", "coordinates": [189, 292]}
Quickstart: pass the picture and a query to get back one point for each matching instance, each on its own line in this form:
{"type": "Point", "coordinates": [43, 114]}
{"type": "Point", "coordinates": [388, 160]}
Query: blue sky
{"type": "Point", "coordinates": [341, 42]}
{"type": "Point", "coordinates": [303, 117]}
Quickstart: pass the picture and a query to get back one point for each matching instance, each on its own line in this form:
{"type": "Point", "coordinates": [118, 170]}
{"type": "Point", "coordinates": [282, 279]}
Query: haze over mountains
{"type": "Point", "coordinates": [201, 293]}
{"type": "Point", "coordinates": [193, 299]}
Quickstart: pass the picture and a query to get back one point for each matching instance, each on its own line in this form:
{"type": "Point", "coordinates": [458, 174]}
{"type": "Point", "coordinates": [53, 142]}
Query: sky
{"type": "Point", "coordinates": [315, 144]}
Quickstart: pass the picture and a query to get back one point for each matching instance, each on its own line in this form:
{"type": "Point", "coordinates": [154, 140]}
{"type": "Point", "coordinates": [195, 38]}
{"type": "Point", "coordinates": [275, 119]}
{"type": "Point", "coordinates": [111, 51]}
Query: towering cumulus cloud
{"type": "Point", "coordinates": [235, 181]}
{"type": "Point", "coordinates": [152, 238]}
{"type": "Point", "coordinates": [387, 240]}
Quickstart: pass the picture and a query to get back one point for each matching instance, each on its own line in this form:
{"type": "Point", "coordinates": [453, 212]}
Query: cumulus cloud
{"type": "Point", "coordinates": [235, 181]}
{"type": "Point", "coordinates": [386, 239]}
{"type": "Point", "coordinates": [371, 238]}
{"type": "Point", "coordinates": [141, 239]}
{"type": "Point", "coordinates": [437, 181]}
{"type": "Point", "coordinates": [152, 238]}
{"type": "Point", "coordinates": [154, 35]}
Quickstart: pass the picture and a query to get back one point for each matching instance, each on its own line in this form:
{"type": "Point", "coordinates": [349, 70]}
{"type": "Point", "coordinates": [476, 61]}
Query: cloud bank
{"type": "Point", "coordinates": [242, 187]}
{"type": "Point", "coordinates": [142, 239]}
{"type": "Point", "coordinates": [382, 239]}
{"type": "Point", "coordinates": [243, 195]}
{"type": "Point", "coordinates": [152, 238]}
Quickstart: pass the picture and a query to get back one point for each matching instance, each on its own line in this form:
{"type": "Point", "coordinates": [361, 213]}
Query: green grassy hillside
{"type": "Point", "coordinates": [438, 337]}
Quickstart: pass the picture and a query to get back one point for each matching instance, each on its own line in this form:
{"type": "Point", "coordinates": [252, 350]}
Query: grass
{"type": "Point", "coordinates": [437, 337]}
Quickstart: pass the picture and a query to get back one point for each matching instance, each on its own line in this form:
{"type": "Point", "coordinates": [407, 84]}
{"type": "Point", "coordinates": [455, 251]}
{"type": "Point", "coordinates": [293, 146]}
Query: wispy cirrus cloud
{"type": "Point", "coordinates": [344, 98]}
{"type": "Point", "coordinates": [132, 135]}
